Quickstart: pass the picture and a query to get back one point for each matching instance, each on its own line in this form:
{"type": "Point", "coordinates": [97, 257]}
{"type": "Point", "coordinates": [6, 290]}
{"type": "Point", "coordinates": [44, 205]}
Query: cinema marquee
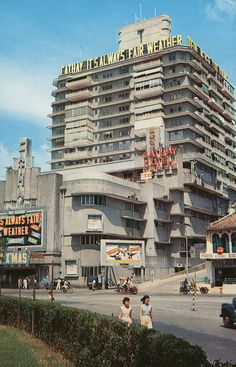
{"type": "Point", "coordinates": [22, 229]}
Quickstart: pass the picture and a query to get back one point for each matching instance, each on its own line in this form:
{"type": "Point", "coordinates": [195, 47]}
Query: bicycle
{"type": "Point", "coordinates": [67, 289]}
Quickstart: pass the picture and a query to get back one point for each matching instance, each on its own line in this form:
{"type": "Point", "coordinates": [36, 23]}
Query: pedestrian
{"type": "Point", "coordinates": [125, 312]}
{"type": "Point", "coordinates": [58, 284]}
{"type": "Point", "coordinates": [94, 285]}
{"type": "Point", "coordinates": [146, 312]}
{"type": "Point", "coordinates": [19, 283]}
{"type": "Point", "coordinates": [50, 296]}
{"type": "Point", "coordinates": [25, 283]}
{"type": "Point", "coordinates": [151, 275]}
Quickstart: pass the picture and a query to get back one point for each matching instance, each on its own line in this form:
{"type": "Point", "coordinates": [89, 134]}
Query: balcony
{"type": "Point", "coordinates": [147, 65]}
{"type": "Point", "coordinates": [79, 96]}
{"type": "Point", "coordinates": [228, 92]}
{"type": "Point", "coordinates": [215, 105]}
{"type": "Point", "coordinates": [199, 92]}
{"type": "Point", "coordinates": [82, 154]}
{"type": "Point", "coordinates": [196, 64]}
{"type": "Point", "coordinates": [80, 83]}
{"type": "Point", "coordinates": [200, 116]}
{"type": "Point", "coordinates": [129, 214]}
{"type": "Point", "coordinates": [149, 92]}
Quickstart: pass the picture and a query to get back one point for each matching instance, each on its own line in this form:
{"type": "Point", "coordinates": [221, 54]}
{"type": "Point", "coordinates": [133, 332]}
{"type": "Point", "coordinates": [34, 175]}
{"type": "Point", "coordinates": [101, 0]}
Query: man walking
{"type": "Point", "coordinates": [25, 283]}
{"type": "Point", "coordinates": [58, 284]}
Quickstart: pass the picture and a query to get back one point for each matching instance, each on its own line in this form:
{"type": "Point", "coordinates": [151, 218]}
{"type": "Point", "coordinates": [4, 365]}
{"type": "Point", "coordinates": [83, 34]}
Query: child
{"type": "Point", "coordinates": [125, 312]}
{"type": "Point", "coordinates": [50, 297]}
{"type": "Point", "coordinates": [146, 312]}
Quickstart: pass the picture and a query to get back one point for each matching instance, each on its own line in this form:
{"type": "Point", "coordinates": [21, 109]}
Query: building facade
{"type": "Point", "coordinates": [221, 250]}
{"type": "Point", "coordinates": [30, 229]}
{"type": "Point", "coordinates": [143, 145]}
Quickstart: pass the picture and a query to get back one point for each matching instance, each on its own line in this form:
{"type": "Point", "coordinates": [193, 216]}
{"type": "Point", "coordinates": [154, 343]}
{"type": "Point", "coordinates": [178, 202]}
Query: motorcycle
{"type": "Point", "coordinates": [125, 290]}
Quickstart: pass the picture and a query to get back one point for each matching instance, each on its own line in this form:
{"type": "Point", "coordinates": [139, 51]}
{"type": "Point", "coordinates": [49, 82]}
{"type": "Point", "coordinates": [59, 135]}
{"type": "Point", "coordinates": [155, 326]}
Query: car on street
{"type": "Point", "coordinates": [228, 313]}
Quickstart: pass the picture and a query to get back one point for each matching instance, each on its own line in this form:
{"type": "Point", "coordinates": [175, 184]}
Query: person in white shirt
{"type": "Point", "coordinates": [125, 312]}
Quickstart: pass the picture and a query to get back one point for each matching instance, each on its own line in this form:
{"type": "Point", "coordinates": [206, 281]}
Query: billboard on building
{"type": "Point", "coordinates": [122, 252]}
{"type": "Point", "coordinates": [22, 228]}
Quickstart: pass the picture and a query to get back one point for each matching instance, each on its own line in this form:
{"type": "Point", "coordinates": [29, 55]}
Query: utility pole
{"type": "Point", "coordinates": [52, 276]}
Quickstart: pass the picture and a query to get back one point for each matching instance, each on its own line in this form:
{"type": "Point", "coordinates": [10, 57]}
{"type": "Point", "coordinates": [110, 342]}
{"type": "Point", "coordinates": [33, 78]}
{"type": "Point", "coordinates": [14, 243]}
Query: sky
{"type": "Point", "coordinates": [39, 36]}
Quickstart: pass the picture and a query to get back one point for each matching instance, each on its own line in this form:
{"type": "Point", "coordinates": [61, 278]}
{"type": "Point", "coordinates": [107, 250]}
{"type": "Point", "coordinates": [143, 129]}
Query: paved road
{"type": "Point", "coordinates": [173, 314]}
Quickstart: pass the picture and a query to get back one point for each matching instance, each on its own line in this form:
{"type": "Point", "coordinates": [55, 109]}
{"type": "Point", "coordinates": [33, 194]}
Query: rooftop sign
{"type": "Point", "coordinates": [121, 55]}
{"type": "Point", "coordinates": [141, 50]}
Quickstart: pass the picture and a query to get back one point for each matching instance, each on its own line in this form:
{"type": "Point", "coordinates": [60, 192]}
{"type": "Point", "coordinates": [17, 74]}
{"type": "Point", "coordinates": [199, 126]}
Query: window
{"type": "Point", "coordinates": [132, 224]}
{"type": "Point", "coordinates": [86, 200]}
{"type": "Point", "coordinates": [92, 239]}
{"type": "Point", "coordinates": [90, 270]}
{"type": "Point", "coordinates": [107, 75]}
{"type": "Point", "coordinates": [225, 242]}
{"type": "Point", "coordinates": [233, 239]}
{"type": "Point", "coordinates": [124, 70]}
{"type": "Point", "coordinates": [216, 242]}
{"type": "Point", "coordinates": [176, 135]}
{"type": "Point", "coordinates": [94, 222]}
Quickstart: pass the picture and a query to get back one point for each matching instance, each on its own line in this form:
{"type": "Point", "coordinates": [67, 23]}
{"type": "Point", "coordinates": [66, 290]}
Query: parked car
{"type": "Point", "coordinates": [228, 313]}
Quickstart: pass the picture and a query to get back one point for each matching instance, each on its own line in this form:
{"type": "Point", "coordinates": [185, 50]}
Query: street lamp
{"type": "Point", "coordinates": [186, 244]}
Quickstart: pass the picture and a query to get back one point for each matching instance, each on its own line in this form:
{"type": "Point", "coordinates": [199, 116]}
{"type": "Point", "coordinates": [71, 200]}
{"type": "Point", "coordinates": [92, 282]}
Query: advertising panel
{"type": "Point", "coordinates": [14, 258]}
{"type": "Point", "coordinates": [22, 228]}
{"type": "Point", "coordinates": [120, 252]}
{"type": "Point", "coordinates": [213, 256]}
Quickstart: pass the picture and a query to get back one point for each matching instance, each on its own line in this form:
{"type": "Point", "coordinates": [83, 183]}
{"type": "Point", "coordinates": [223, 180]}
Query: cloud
{"type": "Point", "coordinates": [218, 9]}
{"type": "Point", "coordinates": [25, 91]}
{"type": "Point", "coordinates": [40, 157]}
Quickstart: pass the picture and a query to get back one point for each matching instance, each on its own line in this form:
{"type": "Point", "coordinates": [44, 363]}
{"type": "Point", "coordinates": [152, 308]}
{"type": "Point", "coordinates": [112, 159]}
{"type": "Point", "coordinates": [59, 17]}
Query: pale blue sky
{"type": "Point", "coordinates": [39, 36]}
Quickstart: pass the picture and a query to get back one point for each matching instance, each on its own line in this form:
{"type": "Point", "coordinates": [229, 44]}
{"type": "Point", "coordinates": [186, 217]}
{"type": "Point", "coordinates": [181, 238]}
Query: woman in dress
{"type": "Point", "coordinates": [125, 312]}
{"type": "Point", "coordinates": [146, 312]}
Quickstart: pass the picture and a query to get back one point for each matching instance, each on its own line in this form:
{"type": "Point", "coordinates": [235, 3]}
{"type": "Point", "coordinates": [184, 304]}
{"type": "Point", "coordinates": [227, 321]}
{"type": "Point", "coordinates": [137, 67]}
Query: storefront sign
{"type": "Point", "coordinates": [14, 258]}
{"type": "Point", "coordinates": [22, 229]}
{"type": "Point", "coordinates": [121, 252]}
{"type": "Point", "coordinates": [36, 258]}
{"type": "Point", "coordinates": [202, 53]}
{"type": "Point", "coordinates": [160, 159]}
{"type": "Point", "coordinates": [209, 256]}
{"type": "Point", "coordinates": [121, 55]}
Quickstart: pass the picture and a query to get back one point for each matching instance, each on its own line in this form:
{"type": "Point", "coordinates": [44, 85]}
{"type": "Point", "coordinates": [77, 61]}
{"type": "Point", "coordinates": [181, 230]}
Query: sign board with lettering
{"type": "Point", "coordinates": [22, 228]}
{"type": "Point", "coordinates": [121, 55]}
{"type": "Point", "coordinates": [213, 256]}
{"type": "Point", "coordinates": [14, 258]}
{"type": "Point", "coordinates": [160, 160]}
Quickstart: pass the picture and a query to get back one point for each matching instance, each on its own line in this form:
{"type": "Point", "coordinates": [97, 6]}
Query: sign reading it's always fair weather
{"type": "Point", "coordinates": [22, 229]}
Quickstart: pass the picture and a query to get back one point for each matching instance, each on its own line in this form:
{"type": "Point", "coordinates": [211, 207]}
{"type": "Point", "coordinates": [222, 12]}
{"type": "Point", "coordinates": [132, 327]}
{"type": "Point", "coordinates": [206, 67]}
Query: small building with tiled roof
{"type": "Point", "coordinates": [221, 250]}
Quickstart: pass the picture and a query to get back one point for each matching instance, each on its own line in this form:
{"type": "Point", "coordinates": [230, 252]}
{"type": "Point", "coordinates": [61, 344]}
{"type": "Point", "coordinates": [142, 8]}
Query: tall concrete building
{"type": "Point", "coordinates": [158, 113]}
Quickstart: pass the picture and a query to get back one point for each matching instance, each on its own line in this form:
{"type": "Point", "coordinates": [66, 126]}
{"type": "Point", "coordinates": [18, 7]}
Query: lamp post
{"type": "Point", "coordinates": [186, 245]}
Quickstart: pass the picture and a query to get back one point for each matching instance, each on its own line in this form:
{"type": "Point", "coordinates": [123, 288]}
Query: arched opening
{"type": "Point", "coordinates": [233, 239]}
{"type": "Point", "coordinates": [225, 242]}
{"type": "Point", "coordinates": [216, 242]}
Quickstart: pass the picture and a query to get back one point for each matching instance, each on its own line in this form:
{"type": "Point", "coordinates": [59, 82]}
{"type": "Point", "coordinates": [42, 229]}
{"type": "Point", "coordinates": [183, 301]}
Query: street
{"type": "Point", "coordinates": [172, 314]}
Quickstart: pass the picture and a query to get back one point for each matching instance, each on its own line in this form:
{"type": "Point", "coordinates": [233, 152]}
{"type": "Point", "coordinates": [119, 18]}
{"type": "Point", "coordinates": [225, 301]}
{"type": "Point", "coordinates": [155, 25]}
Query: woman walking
{"type": "Point", "coordinates": [146, 312]}
{"type": "Point", "coordinates": [125, 312]}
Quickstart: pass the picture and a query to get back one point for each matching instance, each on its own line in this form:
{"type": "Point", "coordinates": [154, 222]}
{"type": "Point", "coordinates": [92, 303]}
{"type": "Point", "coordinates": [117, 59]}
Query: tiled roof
{"type": "Point", "coordinates": [227, 221]}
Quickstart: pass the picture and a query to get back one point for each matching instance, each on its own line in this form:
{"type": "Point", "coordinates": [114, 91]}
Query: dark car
{"type": "Point", "coordinates": [228, 312]}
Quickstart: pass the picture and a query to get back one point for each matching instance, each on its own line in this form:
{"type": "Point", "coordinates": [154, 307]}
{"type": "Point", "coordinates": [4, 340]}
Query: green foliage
{"type": "Point", "coordinates": [89, 339]}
